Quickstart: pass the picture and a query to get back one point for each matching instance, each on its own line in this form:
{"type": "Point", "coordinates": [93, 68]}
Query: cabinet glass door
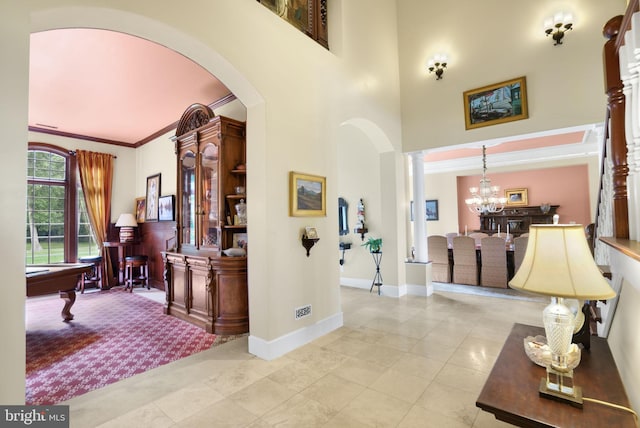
{"type": "Point", "coordinates": [188, 202]}
{"type": "Point", "coordinates": [210, 225]}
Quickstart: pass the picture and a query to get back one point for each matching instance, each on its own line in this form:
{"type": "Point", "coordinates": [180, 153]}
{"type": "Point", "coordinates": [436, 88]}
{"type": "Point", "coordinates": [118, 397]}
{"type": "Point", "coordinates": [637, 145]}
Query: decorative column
{"type": "Point", "coordinates": [616, 105]}
{"type": "Point", "coordinates": [419, 210]}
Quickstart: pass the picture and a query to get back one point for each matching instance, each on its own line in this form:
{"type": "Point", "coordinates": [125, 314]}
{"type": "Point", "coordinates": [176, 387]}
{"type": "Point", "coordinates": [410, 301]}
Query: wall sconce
{"type": "Point", "coordinates": [437, 65]}
{"type": "Point", "coordinates": [557, 26]}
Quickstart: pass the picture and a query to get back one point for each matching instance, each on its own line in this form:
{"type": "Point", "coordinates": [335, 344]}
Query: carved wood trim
{"type": "Point", "coordinates": [194, 117]}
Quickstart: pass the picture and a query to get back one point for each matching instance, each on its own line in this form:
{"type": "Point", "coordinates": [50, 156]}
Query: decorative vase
{"type": "Point", "coordinates": [241, 212]}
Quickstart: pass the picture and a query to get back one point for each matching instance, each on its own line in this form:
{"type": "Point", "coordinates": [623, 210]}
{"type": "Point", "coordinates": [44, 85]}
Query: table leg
{"type": "Point", "coordinates": [69, 297]}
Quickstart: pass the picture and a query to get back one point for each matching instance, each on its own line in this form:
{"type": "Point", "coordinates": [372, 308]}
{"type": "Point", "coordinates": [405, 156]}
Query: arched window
{"type": "Point", "coordinates": [58, 227]}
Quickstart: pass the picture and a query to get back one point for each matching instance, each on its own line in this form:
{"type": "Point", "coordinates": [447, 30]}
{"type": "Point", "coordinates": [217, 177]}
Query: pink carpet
{"type": "Point", "coordinates": [114, 335]}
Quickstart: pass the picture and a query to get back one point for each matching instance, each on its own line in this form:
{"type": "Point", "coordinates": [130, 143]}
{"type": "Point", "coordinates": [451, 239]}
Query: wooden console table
{"type": "Point", "coordinates": [123, 251]}
{"type": "Point", "coordinates": [511, 390]}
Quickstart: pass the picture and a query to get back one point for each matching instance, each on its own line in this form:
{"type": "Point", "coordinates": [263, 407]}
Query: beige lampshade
{"type": "Point", "coordinates": [558, 262]}
{"type": "Point", "coordinates": [126, 220]}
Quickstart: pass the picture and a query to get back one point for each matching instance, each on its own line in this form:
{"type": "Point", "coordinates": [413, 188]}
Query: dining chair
{"type": "Point", "coordinates": [439, 257]}
{"type": "Point", "coordinates": [478, 237]}
{"type": "Point", "coordinates": [465, 262]}
{"type": "Point", "coordinates": [519, 248]}
{"type": "Point", "coordinates": [450, 237]}
{"type": "Point", "coordinates": [493, 269]}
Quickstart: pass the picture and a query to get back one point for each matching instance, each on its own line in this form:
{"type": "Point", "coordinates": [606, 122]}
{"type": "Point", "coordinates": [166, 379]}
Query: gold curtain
{"type": "Point", "coordinates": [96, 175]}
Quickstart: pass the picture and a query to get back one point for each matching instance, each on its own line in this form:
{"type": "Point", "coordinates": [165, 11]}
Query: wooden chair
{"type": "Point", "coordinates": [519, 248]}
{"type": "Point", "coordinates": [493, 272]}
{"type": "Point", "coordinates": [94, 276]}
{"type": "Point", "coordinates": [465, 263]}
{"type": "Point", "coordinates": [136, 270]}
{"type": "Point", "coordinates": [439, 256]}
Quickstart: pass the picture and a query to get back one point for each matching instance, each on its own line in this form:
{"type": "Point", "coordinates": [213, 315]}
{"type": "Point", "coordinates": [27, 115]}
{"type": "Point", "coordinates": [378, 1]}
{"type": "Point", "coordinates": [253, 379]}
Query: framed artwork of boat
{"type": "Point", "coordinates": [498, 103]}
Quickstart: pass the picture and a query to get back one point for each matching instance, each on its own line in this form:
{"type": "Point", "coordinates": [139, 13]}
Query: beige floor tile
{"type": "Point", "coordinates": [349, 346]}
{"type": "Point", "coordinates": [148, 416]}
{"type": "Point", "coordinates": [299, 411]}
{"type": "Point", "coordinates": [419, 366]}
{"type": "Point", "coordinates": [463, 378]}
{"type": "Point", "coordinates": [262, 396]}
{"type": "Point", "coordinates": [383, 356]}
{"type": "Point", "coordinates": [451, 402]}
{"type": "Point", "coordinates": [419, 417]}
{"type": "Point", "coordinates": [406, 388]}
{"type": "Point", "coordinates": [188, 400]}
{"type": "Point", "coordinates": [358, 371]}
{"type": "Point", "coordinates": [333, 391]}
{"type": "Point", "coordinates": [223, 414]}
{"type": "Point", "coordinates": [296, 376]}
{"type": "Point", "coordinates": [373, 408]}
{"type": "Point", "coordinates": [487, 420]}
{"type": "Point", "coordinates": [233, 380]}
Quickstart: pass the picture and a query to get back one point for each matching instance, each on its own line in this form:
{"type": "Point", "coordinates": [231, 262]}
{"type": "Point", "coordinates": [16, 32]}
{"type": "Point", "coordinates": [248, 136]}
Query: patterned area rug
{"type": "Point", "coordinates": [114, 335]}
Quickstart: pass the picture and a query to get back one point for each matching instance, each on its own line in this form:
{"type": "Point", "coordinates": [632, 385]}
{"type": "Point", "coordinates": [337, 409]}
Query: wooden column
{"type": "Point", "coordinates": [616, 106]}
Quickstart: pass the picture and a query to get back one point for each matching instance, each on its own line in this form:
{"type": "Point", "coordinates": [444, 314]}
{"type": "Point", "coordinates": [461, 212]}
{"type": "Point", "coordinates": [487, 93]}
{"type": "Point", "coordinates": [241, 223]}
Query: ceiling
{"type": "Point", "coordinates": [111, 87]}
{"type": "Point", "coordinates": [114, 88]}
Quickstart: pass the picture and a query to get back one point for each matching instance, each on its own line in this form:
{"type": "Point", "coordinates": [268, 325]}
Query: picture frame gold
{"type": "Point", "coordinates": [307, 195]}
{"type": "Point", "coordinates": [516, 197]}
{"type": "Point", "coordinates": [140, 209]}
{"type": "Point", "coordinates": [494, 104]}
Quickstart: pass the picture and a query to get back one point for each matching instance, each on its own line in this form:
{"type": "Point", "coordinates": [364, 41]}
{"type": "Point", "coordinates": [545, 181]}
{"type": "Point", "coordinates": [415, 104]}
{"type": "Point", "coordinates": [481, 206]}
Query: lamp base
{"type": "Point", "coordinates": [574, 399]}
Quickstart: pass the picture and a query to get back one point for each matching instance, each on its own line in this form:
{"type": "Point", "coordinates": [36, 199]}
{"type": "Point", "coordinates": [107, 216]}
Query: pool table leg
{"type": "Point", "coordinates": [69, 297]}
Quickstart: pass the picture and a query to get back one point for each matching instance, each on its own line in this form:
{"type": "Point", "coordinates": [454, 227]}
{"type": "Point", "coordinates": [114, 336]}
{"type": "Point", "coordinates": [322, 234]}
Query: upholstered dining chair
{"type": "Point", "coordinates": [478, 237]}
{"type": "Point", "coordinates": [465, 263]}
{"type": "Point", "coordinates": [450, 237]}
{"type": "Point", "coordinates": [439, 256]}
{"type": "Point", "coordinates": [493, 272]}
{"type": "Point", "coordinates": [519, 248]}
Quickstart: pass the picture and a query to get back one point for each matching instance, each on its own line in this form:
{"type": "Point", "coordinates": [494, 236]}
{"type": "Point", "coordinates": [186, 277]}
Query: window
{"type": "Point", "coordinates": [58, 227]}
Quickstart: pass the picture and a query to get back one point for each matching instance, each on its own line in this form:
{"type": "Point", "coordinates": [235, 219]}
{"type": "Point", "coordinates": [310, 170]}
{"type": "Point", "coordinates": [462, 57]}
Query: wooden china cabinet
{"type": "Point", "coordinates": [203, 285]}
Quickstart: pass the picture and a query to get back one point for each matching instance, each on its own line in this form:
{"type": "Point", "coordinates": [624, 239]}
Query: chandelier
{"type": "Point", "coordinates": [485, 198]}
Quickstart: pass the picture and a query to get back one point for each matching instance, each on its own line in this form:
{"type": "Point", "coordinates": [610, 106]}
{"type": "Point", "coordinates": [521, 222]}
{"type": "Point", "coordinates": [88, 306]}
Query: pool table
{"type": "Point", "coordinates": [61, 277]}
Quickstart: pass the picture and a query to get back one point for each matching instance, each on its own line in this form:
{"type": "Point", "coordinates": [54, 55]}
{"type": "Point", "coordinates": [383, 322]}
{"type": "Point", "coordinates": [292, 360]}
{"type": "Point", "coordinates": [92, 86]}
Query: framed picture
{"type": "Point", "coordinates": [139, 209]}
{"type": "Point", "coordinates": [432, 209]}
{"type": "Point", "coordinates": [516, 197]}
{"type": "Point", "coordinates": [239, 240]}
{"type": "Point", "coordinates": [308, 16]}
{"type": "Point", "coordinates": [307, 195]}
{"type": "Point", "coordinates": [498, 103]}
{"type": "Point", "coordinates": [152, 199]}
{"type": "Point", "coordinates": [166, 206]}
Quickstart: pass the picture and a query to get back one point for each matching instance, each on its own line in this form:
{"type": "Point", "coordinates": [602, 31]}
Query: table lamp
{"type": "Point", "coordinates": [126, 222]}
{"type": "Point", "coordinates": [559, 264]}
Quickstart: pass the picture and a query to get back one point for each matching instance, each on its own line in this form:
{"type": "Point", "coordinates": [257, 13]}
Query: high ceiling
{"type": "Point", "coordinates": [112, 87]}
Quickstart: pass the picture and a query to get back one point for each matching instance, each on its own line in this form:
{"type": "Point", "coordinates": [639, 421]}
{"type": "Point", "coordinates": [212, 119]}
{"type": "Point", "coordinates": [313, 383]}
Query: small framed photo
{"type": "Point", "coordinates": [516, 197]}
{"type": "Point", "coordinates": [498, 103]}
{"type": "Point", "coordinates": [152, 199]}
{"type": "Point", "coordinates": [432, 209]}
{"type": "Point", "coordinates": [307, 195]}
{"type": "Point", "coordinates": [139, 209]}
{"type": "Point", "coordinates": [240, 240]}
{"type": "Point", "coordinates": [166, 208]}
{"type": "Point", "coordinates": [311, 232]}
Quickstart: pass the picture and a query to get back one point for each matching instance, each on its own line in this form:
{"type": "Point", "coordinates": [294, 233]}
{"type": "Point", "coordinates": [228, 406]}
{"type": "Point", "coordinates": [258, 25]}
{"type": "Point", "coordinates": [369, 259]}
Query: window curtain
{"type": "Point", "coordinates": [96, 175]}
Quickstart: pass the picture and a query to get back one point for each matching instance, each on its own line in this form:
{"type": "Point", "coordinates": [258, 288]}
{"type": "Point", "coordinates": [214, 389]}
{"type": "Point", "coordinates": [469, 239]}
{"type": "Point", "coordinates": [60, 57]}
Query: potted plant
{"type": "Point", "coordinates": [374, 244]}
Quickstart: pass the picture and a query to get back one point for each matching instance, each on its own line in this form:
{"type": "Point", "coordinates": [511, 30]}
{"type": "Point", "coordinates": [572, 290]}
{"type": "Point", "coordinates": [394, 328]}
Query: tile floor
{"type": "Point", "coordinates": [408, 362]}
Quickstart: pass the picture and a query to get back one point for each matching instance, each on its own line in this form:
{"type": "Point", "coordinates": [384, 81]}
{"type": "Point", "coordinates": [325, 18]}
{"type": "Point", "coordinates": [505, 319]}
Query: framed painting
{"type": "Point", "coordinates": [152, 199]}
{"type": "Point", "coordinates": [166, 208]}
{"type": "Point", "coordinates": [516, 197]}
{"type": "Point", "coordinates": [308, 16]}
{"type": "Point", "coordinates": [139, 209]}
{"type": "Point", "coordinates": [498, 103]}
{"type": "Point", "coordinates": [239, 240]}
{"type": "Point", "coordinates": [432, 209]}
{"type": "Point", "coordinates": [307, 195]}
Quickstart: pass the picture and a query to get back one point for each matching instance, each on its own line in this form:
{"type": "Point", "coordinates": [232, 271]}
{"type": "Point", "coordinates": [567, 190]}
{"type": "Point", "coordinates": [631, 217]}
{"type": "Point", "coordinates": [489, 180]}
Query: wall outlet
{"type": "Point", "coordinates": [303, 311]}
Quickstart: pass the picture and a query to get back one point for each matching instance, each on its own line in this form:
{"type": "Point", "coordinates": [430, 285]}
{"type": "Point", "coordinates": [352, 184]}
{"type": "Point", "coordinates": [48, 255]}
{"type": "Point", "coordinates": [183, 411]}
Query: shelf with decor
{"type": "Point", "coordinates": [205, 276]}
{"type": "Point", "coordinates": [516, 220]}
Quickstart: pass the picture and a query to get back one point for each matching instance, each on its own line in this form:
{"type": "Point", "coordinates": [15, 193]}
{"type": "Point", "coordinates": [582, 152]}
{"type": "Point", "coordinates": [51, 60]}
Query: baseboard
{"type": "Point", "coordinates": [272, 349]}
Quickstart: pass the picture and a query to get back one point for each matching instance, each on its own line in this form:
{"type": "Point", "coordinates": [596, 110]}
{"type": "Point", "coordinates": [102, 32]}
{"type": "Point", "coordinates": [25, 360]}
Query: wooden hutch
{"type": "Point", "coordinates": [203, 285]}
{"type": "Point", "coordinates": [517, 218]}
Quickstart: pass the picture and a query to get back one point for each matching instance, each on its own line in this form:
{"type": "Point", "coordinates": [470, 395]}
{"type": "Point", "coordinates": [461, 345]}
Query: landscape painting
{"type": "Point", "coordinates": [307, 195]}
